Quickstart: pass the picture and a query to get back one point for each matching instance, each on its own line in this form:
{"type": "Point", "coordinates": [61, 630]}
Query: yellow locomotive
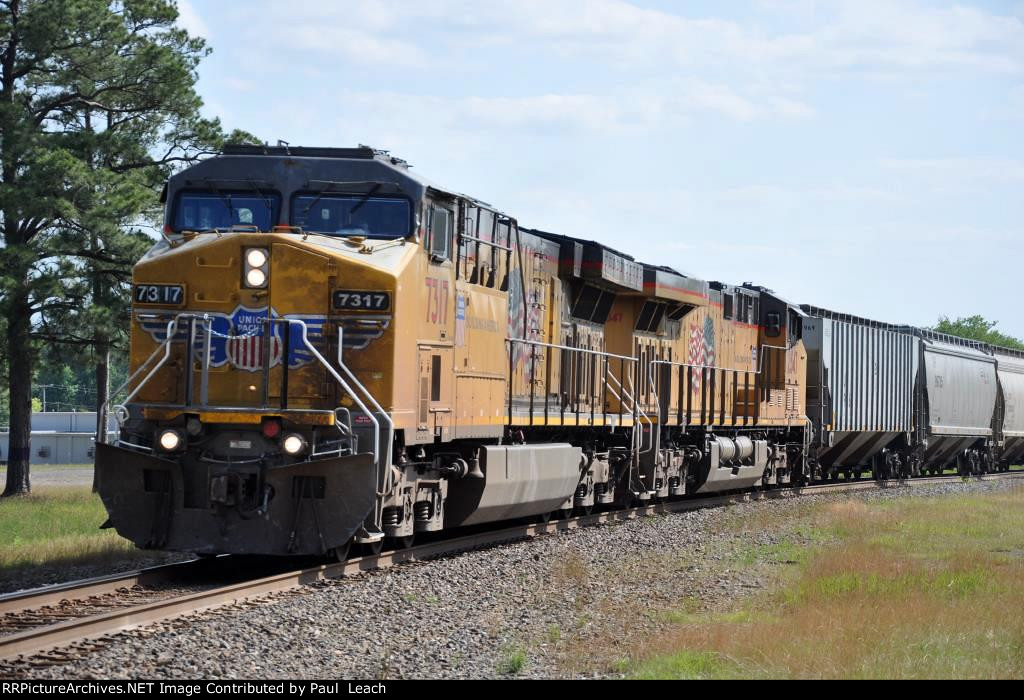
{"type": "Point", "coordinates": [327, 348]}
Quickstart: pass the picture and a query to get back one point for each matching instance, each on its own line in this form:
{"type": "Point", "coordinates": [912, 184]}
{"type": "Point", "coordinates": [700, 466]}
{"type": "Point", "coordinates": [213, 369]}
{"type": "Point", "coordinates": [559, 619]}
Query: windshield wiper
{"type": "Point", "coordinates": [266, 199]}
{"type": "Point", "coordinates": [330, 185]}
{"type": "Point", "coordinates": [225, 197]}
{"type": "Point", "coordinates": [365, 198]}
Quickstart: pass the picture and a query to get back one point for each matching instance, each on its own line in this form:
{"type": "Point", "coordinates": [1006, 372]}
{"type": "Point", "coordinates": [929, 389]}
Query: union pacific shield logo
{"type": "Point", "coordinates": [237, 338]}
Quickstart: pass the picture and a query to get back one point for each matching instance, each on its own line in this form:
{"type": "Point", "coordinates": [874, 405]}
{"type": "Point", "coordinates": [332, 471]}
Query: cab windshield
{"type": "Point", "coordinates": [203, 211]}
{"type": "Point", "coordinates": [353, 215]}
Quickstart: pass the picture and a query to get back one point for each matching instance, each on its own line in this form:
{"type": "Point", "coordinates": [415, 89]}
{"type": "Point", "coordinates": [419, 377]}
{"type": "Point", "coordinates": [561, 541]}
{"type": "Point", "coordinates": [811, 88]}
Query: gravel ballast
{"type": "Point", "coordinates": [555, 606]}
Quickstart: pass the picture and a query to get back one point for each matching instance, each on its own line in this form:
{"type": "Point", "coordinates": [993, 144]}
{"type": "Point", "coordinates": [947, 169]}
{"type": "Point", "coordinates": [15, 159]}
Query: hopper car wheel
{"type": "Point", "coordinates": [585, 510]}
{"type": "Point", "coordinates": [340, 553]}
{"type": "Point", "coordinates": [404, 542]}
{"type": "Point", "coordinates": [542, 518]}
{"type": "Point", "coordinates": [373, 548]}
{"type": "Point", "coordinates": [563, 513]}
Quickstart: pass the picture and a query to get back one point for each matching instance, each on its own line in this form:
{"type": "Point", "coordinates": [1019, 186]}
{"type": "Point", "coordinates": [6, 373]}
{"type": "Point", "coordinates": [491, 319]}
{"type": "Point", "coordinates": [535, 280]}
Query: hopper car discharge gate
{"type": "Point", "coordinates": [195, 331]}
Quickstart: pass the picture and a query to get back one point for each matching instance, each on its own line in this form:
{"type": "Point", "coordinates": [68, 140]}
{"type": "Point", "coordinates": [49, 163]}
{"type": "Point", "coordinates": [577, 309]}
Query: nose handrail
{"type": "Point", "coordinates": [120, 412]}
{"type": "Point", "coordinates": [386, 474]}
{"type": "Point", "coordinates": [352, 386]}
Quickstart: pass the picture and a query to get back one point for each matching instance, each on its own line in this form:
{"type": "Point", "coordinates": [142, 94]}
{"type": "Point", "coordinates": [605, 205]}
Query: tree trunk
{"type": "Point", "coordinates": [102, 391]}
{"type": "Point", "coordinates": [19, 358]}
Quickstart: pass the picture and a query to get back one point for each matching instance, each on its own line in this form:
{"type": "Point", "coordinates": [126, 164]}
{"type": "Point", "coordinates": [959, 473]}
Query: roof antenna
{"type": "Point", "coordinates": [285, 145]}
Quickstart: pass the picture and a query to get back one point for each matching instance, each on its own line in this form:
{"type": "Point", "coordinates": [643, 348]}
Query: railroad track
{"type": "Point", "coordinates": [39, 622]}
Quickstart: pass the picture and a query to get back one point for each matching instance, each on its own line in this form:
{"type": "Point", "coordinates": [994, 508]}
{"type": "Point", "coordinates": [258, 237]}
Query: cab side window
{"type": "Point", "coordinates": [796, 328]}
{"type": "Point", "coordinates": [439, 242]}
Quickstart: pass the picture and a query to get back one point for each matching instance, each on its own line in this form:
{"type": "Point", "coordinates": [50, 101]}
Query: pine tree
{"type": "Point", "coordinates": [97, 106]}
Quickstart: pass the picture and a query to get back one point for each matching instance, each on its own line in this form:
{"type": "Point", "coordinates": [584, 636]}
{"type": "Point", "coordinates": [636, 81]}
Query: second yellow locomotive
{"type": "Point", "coordinates": [328, 349]}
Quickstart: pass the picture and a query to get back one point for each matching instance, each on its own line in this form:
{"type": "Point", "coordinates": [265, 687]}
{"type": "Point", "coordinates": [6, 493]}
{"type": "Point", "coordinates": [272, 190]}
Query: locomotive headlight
{"type": "Point", "coordinates": [255, 278]}
{"type": "Point", "coordinates": [170, 440]}
{"type": "Point", "coordinates": [256, 257]}
{"type": "Point", "coordinates": [257, 267]}
{"type": "Point", "coordinates": [294, 444]}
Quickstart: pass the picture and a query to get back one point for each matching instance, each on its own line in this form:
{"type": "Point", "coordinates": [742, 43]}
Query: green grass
{"type": "Point", "coordinates": [787, 551]}
{"type": "Point", "coordinates": [512, 662]}
{"type": "Point", "coordinates": [49, 468]}
{"type": "Point", "coordinates": [908, 588]}
{"type": "Point", "coordinates": [687, 665]}
{"type": "Point", "coordinates": [57, 525]}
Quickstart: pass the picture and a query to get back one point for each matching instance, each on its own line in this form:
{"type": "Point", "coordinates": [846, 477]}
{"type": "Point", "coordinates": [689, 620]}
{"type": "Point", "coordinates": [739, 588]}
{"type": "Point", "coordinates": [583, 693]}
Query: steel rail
{"type": "Point", "coordinates": [40, 639]}
{"type": "Point", "coordinates": [20, 601]}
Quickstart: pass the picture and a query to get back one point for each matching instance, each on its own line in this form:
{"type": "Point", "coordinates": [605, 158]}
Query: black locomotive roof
{"type": "Point", "coordinates": [290, 169]}
{"type": "Point", "coordinates": [664, 282]}
{"type": "Point", "coordinates": [364, 152]}
{"type": "Point", "coordinates": [562, 238]}
{"type": "Point", "coordinates": [595, 262]}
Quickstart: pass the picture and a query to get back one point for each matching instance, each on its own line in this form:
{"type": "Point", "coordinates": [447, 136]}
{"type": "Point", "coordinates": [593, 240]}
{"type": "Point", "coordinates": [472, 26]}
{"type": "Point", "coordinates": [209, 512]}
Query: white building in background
{"type": "Point", "coordinates": [61, 437]}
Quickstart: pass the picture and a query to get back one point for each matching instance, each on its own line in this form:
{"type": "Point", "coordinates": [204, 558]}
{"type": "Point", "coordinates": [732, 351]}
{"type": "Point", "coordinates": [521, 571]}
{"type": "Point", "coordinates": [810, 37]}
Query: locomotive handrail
{"type": "Point", "coordinates": [635, 410]}
{"type": "Point", "coordinates": [760, 364]}
{"type": "Point", "coordinates": [166, 347]}
{"type": "Point", "coordinates": [344, 385]}
{"type": "Point", "coordinates": [596, 353]}
{"type": "Point", "coordinates": [761, 354]}
{"type": "Point", "coordinates": [671, 363]}
{"type": "Point", "coordinates": [386, 467]}
{"type": "Point", "coordinates": [467, 237]}
{"type": "Point", "coordinates": [626, 399]}
{"type": "Point", "coordinates": [172, 331]}
{"type": "Point", "coordinates": [640, 411]}
{"type": "Point", "coordinates": [569, 347]}
{"type": "Point", "coordinates": [758, 371]}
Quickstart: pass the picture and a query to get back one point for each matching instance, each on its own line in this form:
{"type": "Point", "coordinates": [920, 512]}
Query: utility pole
{"type": "Point", "coordinates": [44, 387]}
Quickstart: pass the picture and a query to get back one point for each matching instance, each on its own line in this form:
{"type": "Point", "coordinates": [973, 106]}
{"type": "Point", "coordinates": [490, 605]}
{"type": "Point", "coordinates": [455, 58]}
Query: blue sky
{"type": "Point", "coordinates": [865, 156]}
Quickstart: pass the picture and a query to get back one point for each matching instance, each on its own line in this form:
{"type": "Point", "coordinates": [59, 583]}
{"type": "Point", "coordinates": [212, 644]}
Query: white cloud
{"type": "Point", "coordinates": [959, 172]}
{"type": "Point", "coordinates": [638, 111]}
{"type": "Point", "coordinates": [861, 35]}
{"type": "Point", "coordinates": [357, 46]}
{"type": "Point", "coordinates": [848, 34]}
{"type": "Point", "coordinates": [191, 21]}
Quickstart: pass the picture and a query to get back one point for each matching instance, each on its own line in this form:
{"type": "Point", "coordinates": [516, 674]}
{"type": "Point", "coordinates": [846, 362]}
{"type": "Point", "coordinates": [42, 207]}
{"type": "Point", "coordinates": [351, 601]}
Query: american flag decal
{"type": "Point", "coordinates": [246, 351]}
{"type": "Point", "coordinates": [702, 349]}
